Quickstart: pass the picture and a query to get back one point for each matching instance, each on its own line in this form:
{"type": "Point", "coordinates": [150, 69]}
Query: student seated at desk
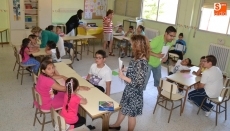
{"type": "Point", "coordinates": [50, 28]}
{"type": "Point", "coordinates": [52, 93]}
{"type": "Point", "coordinates": [140, 30]}
{"type": "Point", "coordinates": [56, 74]}
{"type": "Point", "coordinates": [100, 75]}
{"type": "Point", "coordinates": [182, 66]}
{"type": "Point", "coordinates": [211, 85]}
{"type": "Point", "coordinates": [120, 30]}
{"type": "Point", "coordinates": [72, 100]}
{"type": "Point", "coordinates": [61, 34]}
{"type": "Point", "coordinates": [25, 53]}
{"type": "Point", "coordinates": [201, 65]}
{"type": "Point", "coordinates": [35, 42]}
{"type": "Point", "coordinates": [52, 50]}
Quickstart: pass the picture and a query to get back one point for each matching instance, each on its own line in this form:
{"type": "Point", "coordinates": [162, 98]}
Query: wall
{"type": "Point", "coordinates": [60, 17]}
{"type": "Point", "coordinates": [188, 15]}
{"type": "Point", "coordinates": [4, 16]}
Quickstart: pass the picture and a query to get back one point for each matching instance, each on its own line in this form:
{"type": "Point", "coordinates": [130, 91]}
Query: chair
{"type": "Point", "coordinates": [60, 124]}
{"type": "Point", "coordinates": [71, 60]}
{"type": "Point", "coordinates": [173, 56]}
{"type": "Point", "coordinates": [15, 54]}
{"type": "Point", "coordinates": [223, 98]}
{"type": "Point", "coordinates": [35, 77]}
{"type": "Point", "coordinates": [39, 111]}
{"type": "Point", "coordinates": [227, 82]}
{"type": "Point", "coordinates": [168, 92]}
{"type": "Point", "coordinates": [22, 67]}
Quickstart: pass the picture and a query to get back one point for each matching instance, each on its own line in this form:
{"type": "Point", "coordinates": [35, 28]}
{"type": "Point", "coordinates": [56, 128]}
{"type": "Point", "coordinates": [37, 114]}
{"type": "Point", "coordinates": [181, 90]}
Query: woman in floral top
{"type": "Point", "coordinates": [132, 98]}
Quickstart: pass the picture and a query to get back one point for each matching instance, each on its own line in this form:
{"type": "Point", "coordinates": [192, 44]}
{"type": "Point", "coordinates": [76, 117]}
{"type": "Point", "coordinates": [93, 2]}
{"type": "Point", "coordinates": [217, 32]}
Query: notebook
{"type": "Point", "coordinates": [106, 106]}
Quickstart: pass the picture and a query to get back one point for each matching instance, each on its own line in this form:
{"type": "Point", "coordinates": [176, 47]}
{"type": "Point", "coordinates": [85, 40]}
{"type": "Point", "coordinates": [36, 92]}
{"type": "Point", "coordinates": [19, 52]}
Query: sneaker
{"type": "Point", "coordinates": [207, 113]}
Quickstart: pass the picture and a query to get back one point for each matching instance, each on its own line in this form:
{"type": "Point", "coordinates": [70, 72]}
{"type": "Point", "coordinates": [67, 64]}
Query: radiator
{"type": "Point", "coordinates": [151, 33]}
{"type": "Point", "coordinates": [222, 54]}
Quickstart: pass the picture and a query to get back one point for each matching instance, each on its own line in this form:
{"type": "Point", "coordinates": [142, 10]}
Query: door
{"type": "Point", "coordinates": [17, 17]}
{"type": "Point", "coordinates": [44, 13]}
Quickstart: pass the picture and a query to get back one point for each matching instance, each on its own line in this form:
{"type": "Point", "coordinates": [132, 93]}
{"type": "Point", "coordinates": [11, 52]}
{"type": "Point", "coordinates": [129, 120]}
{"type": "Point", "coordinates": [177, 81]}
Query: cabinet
{"type": "Point", "coordinates": [26, 14]}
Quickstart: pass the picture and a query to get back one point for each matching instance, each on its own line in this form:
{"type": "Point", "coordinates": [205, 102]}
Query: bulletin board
{"type": "Point", "coordinates": [95, 9]}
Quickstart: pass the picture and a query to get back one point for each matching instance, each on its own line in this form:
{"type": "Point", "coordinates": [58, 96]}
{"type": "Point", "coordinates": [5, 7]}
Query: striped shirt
{"type": "Point", "coordinates": [106, 28]}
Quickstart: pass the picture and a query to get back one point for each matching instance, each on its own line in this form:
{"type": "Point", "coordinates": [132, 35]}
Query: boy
{"type": "Point", "coordinates": [123, 46]}
{"type": "Point", "coordinates": [100, 75]}
{"type": "Point", "coordinates": [201, 65]}
{"type": "Point", "coordinates": [210, 85]}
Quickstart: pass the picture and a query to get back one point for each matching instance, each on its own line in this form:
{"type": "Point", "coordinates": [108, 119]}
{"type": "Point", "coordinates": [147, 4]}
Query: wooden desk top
{"type": "Point", "coordinates": [78, 37]}
{"type": "Point", "coordinates": [41, 52]}
{"type": "Point", "coordinates": [121, 38]}
{"type": "Point", "coordinates": [93, 97]}
{"type": "Point", "coordinates": [63, 69]}
{"type": "Point", "coordinates": [2, 30]}
{"type": "Point", "coordinates": [186, 79]}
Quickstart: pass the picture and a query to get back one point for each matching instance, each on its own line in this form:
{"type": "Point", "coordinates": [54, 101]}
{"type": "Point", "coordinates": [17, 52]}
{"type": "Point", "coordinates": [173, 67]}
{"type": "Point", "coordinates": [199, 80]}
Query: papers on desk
{"type": "Point", "coordinates": [164, 51]}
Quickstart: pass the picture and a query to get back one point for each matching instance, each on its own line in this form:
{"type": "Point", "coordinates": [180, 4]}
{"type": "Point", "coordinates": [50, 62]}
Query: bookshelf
{"type": "Point", "coordinates": [31, 13]}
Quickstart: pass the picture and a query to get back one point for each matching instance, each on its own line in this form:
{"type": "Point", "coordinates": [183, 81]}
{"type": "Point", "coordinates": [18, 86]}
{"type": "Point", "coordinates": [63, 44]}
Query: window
{"type": "Point", "coordinates": [160, 10]}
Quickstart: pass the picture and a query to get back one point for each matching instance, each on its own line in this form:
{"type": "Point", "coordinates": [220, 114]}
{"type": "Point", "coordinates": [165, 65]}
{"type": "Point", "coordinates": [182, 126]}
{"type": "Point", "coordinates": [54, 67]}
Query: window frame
{"type": "Point", "coordinates": [178, 4]}
{"type": "Point", "coordinates": [206, 31]}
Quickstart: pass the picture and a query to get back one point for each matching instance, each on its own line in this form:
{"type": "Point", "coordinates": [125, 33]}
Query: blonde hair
{"type": "Point", "coordinates": [36, 30]}
{"type": "Point", "coordinates": [140, 47]}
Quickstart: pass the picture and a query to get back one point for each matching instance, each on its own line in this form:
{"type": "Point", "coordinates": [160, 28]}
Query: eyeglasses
{"type": "Point", "coordinates": [172, 36]}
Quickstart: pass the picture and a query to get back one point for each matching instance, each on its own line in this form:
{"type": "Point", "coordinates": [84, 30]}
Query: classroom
{"type": "Point", "coordinates": [81, 65]}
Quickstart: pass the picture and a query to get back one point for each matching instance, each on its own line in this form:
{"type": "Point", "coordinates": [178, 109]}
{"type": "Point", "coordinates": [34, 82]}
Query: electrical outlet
{"type": "Point", "coordinates": [220, 41]}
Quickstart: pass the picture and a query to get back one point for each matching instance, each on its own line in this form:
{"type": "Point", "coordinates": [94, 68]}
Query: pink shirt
{"type": "Point", "coordinates": [107, 28]}
{"type": "Point", "coordinates": [71, 115]}
{"type": "Point", "coordinates": [26, 56]}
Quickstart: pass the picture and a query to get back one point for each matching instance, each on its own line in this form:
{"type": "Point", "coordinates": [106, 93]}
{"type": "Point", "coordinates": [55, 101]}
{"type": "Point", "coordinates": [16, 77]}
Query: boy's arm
{"type": "Point", "coordinates": [88, 77]}
{"type": "Point", "coordinates": [108, 88]}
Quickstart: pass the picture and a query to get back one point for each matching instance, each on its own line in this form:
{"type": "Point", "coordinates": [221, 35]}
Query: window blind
{"type": "Point", "coordinates": [210, 3]}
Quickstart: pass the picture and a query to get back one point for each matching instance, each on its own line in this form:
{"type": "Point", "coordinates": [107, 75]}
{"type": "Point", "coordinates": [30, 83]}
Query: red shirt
{"type": "Point", "coordinates": [107, 28]}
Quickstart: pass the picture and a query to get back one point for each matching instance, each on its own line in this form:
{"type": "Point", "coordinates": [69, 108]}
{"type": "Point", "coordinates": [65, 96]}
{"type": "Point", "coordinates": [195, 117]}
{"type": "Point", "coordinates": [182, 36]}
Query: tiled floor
{"type": "Point", "coordinates": [17, 114]}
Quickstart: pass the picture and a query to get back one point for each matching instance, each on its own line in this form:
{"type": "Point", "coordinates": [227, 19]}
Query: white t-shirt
{"type": "Point", "coordinates": [54, 56]}
{"type": "Point", "coordinates": [179, 67]}
{"type": "Point", "coordinates": [213, 80]}
{"type": "Point", "coordinates": [99, 76]}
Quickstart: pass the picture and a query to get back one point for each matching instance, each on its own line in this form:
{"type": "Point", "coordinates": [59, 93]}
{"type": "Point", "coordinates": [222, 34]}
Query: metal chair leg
{"type": "Point", "coordinates": [170, 112]}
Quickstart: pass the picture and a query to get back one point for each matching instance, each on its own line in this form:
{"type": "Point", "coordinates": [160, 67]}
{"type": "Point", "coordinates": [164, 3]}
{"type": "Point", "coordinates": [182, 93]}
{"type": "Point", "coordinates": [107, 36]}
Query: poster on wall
{"type": "Point", "coordinates": [16, 10]}
{"type": "Point", "coordinates": [95, 9]}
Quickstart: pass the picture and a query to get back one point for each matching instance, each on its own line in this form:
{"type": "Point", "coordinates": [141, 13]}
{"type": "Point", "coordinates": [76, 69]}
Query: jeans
{"type": "Point", "coordinates": [34, 62]}
{"type": "Point", "coordinates": [156, 75]}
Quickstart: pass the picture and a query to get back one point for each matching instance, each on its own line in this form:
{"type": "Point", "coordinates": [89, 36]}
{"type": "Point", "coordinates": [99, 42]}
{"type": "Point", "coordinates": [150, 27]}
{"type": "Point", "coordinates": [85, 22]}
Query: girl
{"type": "Point", "coordinates": [50, 28]}
{"type": "Point", "coordinates": [47, 87]}
{"type": "Point", "coordinates": [34, 41]}
{"type": "Point", "coordinates": [52, 50]}
{"type": "Point", "coordinates": [140, 30]}
{"type": "Point", "coordinates": [49, 36]}
{"type": "Point", "coordinates": [71, 103]}
{"type": "Point", "coordinates": [132, 98]}
{"type": "Point", "coordinates": [25, 53]}
{"type": "Point", "coordinates": [56, 74]}
{"type": "Point", "coordinates": [182, 66]}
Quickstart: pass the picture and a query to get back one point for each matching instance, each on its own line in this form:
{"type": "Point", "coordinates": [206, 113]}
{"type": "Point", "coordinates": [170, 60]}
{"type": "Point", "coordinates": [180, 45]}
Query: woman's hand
{"type": "Point", "coordinates": [121, 74]}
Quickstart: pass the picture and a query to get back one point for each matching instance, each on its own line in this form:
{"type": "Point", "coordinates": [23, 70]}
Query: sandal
{"type": "Point", "coordinates": [111, 54]}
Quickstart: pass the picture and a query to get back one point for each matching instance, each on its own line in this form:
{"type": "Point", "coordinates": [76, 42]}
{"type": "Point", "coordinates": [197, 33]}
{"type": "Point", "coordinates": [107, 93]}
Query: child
{"type": "Point", "coordinates": [124, 44]}
{"type": "Point", "coordinates": [61, 34]}
{"type": "Point", "coordinates": [50, 28]}
{"type": "Point", "coordinates": [25, 53]}
{"type": "Point", "coordinates": [52, 50]}
{"type": "Point", "coordinates": [182, 66]}
{"type": "Point", "coordinates": [140, 30]}
{"type": "Point", "coordinates": [120, 30]}
{"type": "Point", "coordinates": [34, 41]}
{"type": "Point", "coordinates": [130, 32]}
{"type": "Point", "coordinates": [56, 74]}
{"type": "Point", "coordinates": [201, 65]}
{"type": "Point", "coordinates": [72, 100]}
{"type": "Point", "coordinates": [100, 75]}
{"type": "Point", "coordinates": [47, 87]}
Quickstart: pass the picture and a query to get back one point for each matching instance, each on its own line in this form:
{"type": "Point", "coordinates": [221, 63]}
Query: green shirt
{"type": "Point", "coordinates": [48, 36]}
{"type": "Point", "coordinates": [156, 46]}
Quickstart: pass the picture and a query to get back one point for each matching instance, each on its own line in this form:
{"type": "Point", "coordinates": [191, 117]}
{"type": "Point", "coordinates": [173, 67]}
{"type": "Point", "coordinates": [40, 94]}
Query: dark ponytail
{"type": "Point", "coordinates": [57, 53]}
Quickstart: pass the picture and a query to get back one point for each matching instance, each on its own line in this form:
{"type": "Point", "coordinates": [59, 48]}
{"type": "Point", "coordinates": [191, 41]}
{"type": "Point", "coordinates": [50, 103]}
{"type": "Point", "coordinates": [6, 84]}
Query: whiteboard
{"type": "Point", "coordinates": [95, 9]}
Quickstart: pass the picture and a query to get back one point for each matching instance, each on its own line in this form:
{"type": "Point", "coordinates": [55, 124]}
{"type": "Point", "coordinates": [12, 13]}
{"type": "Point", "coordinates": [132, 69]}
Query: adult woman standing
{"type": "Point", "coordinates": [73, 23]}
{"type": "Point", "coordinates": [46, 36]}
{"type": "Point", "coordinates": [132, 98]}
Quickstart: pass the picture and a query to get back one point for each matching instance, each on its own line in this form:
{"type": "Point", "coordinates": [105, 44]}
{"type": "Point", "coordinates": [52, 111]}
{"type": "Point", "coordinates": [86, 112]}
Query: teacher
{"type": "Point", "coordinates": [73, 23]}
{"type": "Point", "coordinates": [46, 36]}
